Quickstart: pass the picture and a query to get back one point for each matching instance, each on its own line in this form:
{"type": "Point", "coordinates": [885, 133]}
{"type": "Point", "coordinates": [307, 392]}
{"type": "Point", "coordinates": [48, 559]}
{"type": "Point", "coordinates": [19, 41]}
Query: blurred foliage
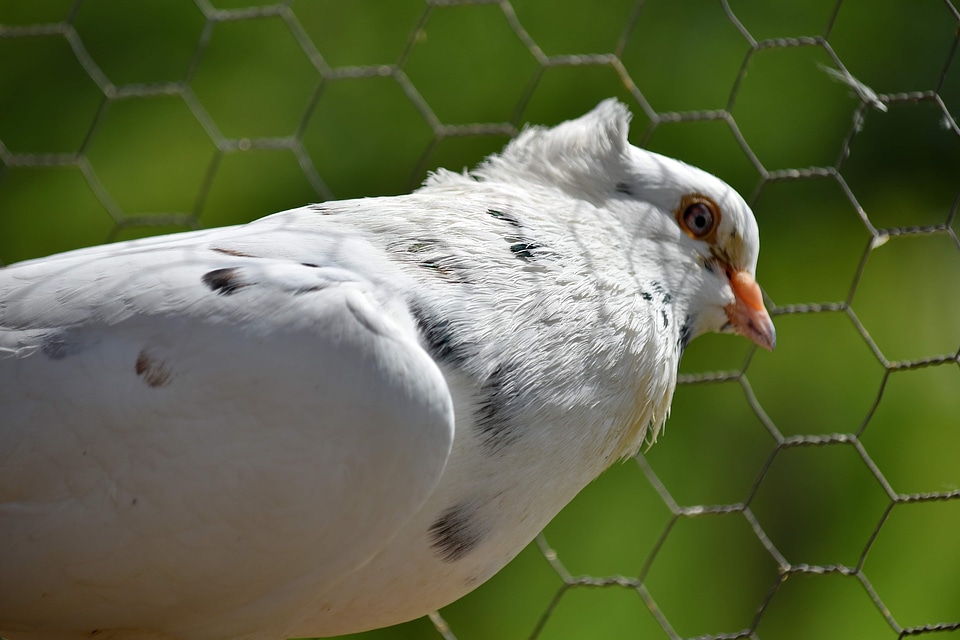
{"type": "Point", "coordinates": [271, 112]}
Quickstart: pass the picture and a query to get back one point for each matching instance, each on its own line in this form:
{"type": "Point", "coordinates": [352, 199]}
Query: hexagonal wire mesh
{"type": "Point", "coordinates": [809, 493]}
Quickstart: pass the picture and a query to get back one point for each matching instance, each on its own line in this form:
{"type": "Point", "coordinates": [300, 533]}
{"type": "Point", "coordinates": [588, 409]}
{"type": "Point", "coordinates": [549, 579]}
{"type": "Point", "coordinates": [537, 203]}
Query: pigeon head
{"type": "Point", "coordinates": [706, 237]}
{"type": "Point", "coordinates": [681, 223]}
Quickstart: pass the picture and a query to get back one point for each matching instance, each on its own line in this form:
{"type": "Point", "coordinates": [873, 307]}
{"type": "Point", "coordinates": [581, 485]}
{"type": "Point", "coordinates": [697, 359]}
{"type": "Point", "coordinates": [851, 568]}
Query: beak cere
{"type": "Point", "coordinates": [747, 314]}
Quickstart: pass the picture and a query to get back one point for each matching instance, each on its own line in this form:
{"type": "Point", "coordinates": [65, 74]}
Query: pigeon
{"type": "Point", "coordinates": [348, 415]}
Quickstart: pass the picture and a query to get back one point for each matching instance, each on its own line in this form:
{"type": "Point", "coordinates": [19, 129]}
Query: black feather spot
{"type": "Point", "coordinates": [446, 268]}
{"type": "Point", "coordinates": [432, 264]}
{"type": "Point", "coordinates": [456, 532]}
{"type": "Point", "coordinates": [646, 296]}
{"type": "Point", "coordinates": [666, 320]}
{"type": "Point", "coordinates": [440, 337]}
{"type": "Point", "coordinates": [442, 267]}
{"type": "Point", "coordinates": [232, 252]}
{"type": "Point", "coordinates": [154, 372]}
{"type": "Point", "coordinates": [624, 188]}
{"type": "Point", "coordinates": [303, 290]}
{"type": "Point", "coordinates": [686, 332]}
{"type": "Point", "coordinates": [524, 250]}
{"type": "Point", "coordinates": [492, 417]}
{"type": "Point", "coordinates": [224, 281]}
{"type": "Point", "coordinates": [521, 246]}
{"type": "Point", "coordinates": [664, 294]}
{"type": "Point", "coordinates": [506, 217]}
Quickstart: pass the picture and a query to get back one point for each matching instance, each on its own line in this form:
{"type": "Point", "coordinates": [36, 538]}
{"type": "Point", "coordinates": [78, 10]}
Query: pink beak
{"type": "Point", "coordinates": [747, 314]}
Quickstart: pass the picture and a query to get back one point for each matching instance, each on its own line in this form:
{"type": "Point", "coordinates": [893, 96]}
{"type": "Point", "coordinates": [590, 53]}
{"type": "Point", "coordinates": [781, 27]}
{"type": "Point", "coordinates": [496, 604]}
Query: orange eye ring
{"type": "Point", "coordinates": [699, 217]}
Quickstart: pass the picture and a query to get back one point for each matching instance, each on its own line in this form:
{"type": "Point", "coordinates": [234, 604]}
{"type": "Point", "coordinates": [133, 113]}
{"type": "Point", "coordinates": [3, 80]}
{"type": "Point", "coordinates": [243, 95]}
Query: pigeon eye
{"type": "Point", "coordinates": [698, 217]}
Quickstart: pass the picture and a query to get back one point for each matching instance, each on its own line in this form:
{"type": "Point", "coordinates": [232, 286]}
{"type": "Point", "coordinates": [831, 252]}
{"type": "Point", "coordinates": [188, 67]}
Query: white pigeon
{"type": "Point", "coordinates": [347, 415]}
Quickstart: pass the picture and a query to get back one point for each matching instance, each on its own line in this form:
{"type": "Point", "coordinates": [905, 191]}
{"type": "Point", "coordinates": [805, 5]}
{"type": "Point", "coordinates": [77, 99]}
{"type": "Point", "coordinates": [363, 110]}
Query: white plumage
{"type": "Point", "coordinates": [344, 416]}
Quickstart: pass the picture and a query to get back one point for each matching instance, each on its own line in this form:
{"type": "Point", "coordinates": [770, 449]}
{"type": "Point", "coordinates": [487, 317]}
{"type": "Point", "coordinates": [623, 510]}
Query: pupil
{"type": "Point", "coordinates": [700, 221]}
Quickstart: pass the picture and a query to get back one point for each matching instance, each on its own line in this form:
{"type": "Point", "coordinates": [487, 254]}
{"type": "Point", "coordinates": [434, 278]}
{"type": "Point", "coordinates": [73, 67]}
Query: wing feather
{"type": "Point", "coordinates": [191, 429]}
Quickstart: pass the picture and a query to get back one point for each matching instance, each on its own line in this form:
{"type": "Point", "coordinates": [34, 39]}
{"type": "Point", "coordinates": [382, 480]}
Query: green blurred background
{"type": "Point", "coordinates": [122, 119]}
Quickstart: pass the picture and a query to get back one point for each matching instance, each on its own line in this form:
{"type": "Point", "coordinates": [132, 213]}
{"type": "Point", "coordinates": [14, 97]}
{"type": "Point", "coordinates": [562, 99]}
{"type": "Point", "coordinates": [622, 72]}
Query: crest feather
{"type": "Point", "coordinates": [583, 155]}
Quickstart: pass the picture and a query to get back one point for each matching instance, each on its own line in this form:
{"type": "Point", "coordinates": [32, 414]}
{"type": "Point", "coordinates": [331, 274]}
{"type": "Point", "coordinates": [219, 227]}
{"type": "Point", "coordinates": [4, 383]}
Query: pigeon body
{"type": "Point", "coordinates": [347, 415]}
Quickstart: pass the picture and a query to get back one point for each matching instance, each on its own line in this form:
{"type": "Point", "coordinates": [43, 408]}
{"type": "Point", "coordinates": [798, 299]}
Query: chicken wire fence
{"type": "Point", "coordinates": [812, 492]}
